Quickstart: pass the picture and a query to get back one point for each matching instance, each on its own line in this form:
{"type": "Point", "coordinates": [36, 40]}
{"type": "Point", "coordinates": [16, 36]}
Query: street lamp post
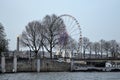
{"type": "Point", "coordinates": [17, 43]}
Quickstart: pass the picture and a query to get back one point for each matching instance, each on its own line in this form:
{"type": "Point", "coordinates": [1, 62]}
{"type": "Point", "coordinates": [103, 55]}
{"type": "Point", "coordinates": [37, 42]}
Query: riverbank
{"type": "Point", "coordinates": [48, 65]}
{"type": "Point", "coordinates": [96, 70]}
{"type": "Point", "coordinates": [30, 65]}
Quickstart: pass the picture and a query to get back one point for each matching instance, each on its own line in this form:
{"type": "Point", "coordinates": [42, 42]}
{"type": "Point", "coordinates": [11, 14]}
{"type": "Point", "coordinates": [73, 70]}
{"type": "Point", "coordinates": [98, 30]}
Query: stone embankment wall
{"type": "Point", "coordinates": [47, 65]}
{"type": "Point", "coordinates": [27, 65]}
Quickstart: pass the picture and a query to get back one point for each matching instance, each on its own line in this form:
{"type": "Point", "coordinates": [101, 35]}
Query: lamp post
{"type": "Point", "coordinates": [17, 43]}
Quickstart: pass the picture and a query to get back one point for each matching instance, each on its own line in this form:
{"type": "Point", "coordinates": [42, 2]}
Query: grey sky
{"type": "Point", "coordinates": [99, 19]}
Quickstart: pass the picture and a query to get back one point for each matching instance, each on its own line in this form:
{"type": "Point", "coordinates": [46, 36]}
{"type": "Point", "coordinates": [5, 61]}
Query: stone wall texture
{"type": "Point", "coordinates": [27, 65]}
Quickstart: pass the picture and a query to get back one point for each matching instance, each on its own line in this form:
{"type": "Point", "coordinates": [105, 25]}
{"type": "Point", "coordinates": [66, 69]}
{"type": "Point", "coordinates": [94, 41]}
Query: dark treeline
{"type": "Point", "coordinates": [101, 48]}
{"type": "Point", "coordinates": [3, 40]}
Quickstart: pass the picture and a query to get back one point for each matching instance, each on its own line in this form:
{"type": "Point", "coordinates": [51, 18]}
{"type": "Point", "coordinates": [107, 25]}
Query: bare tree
{"type": "Point", "coordinates": [85, 45]}
{"type": "Point", "coordinates": [118, 50]}
{"type": "Point", "coordinates": [102, 42]}
{"type": "Point", "coordinates": [53, 27]}
{"type": "Point", "coordinates": [3, 40]}
{"type": "Point", "coordinates": [96, 48]}
{"type": "Point", "coordinates": [107, 47]}
{"type": "Point", "coordinates": [31, 37]}
{"type": "Point", "coordinates": [113, 48]}
{"type": "Point", "coordinates": [90, 49]}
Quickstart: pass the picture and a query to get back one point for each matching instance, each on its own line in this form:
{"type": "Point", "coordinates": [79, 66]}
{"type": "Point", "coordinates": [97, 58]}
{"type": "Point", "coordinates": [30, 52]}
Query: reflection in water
{"type": "Point", "coordinates": [62, 76]}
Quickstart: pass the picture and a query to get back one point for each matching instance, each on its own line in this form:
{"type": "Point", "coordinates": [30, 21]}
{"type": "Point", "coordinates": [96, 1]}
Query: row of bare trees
{"type": "Point", "coordinates": [50, 33]}
{"type": "Point", "coordinates": [101, 48]}
{"type": "Point", "coordinates": [43, 34]}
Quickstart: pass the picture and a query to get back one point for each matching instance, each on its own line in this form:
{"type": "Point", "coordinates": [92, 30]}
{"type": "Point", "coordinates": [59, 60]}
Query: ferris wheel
{"type": "Point", "coordinates": [71, 35]}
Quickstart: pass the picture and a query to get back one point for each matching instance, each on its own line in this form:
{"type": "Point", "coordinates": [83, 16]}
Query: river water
{"type": "Point", "coordinates": [62, 76]}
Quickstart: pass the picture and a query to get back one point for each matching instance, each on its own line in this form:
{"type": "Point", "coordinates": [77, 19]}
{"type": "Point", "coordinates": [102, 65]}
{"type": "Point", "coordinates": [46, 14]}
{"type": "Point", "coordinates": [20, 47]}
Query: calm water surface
{"type": "Point", "coordinates": [62, 76]}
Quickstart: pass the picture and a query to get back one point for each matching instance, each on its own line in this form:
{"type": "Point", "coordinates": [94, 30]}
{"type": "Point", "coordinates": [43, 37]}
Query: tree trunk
{"type": "Point", "coordinates": [51, 52]}
{"type": "Point", "coordinates": [84, 53]}
{"type": "Point", "coordinates": [101, 54]}
{"type": "Point", "coordinates": [107, 54]}
{"type": "Point", "coordinates": [95, 54]}
{"type": "Point", "coordinates": [90, 54]}
{"type": "Point", "coordinates": [36, 54]}
{"type": "Point", "coordinates": [43, 51]}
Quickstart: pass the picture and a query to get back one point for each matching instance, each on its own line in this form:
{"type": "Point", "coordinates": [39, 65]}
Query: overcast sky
{"type": "Point", "coordinates": [99, 19]}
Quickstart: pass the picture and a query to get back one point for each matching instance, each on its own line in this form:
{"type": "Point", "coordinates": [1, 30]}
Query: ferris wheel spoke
{"type": "Point", "coordinates": [74, 30]}
{"type": "Point", "coordinates": [64, 19]}
{"type": "Point", "coordinates": [70, 25]}
{"type": "Point", "coordinates": [75, 34]}
{"type": "Point", "coordinates": [68, 20]}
